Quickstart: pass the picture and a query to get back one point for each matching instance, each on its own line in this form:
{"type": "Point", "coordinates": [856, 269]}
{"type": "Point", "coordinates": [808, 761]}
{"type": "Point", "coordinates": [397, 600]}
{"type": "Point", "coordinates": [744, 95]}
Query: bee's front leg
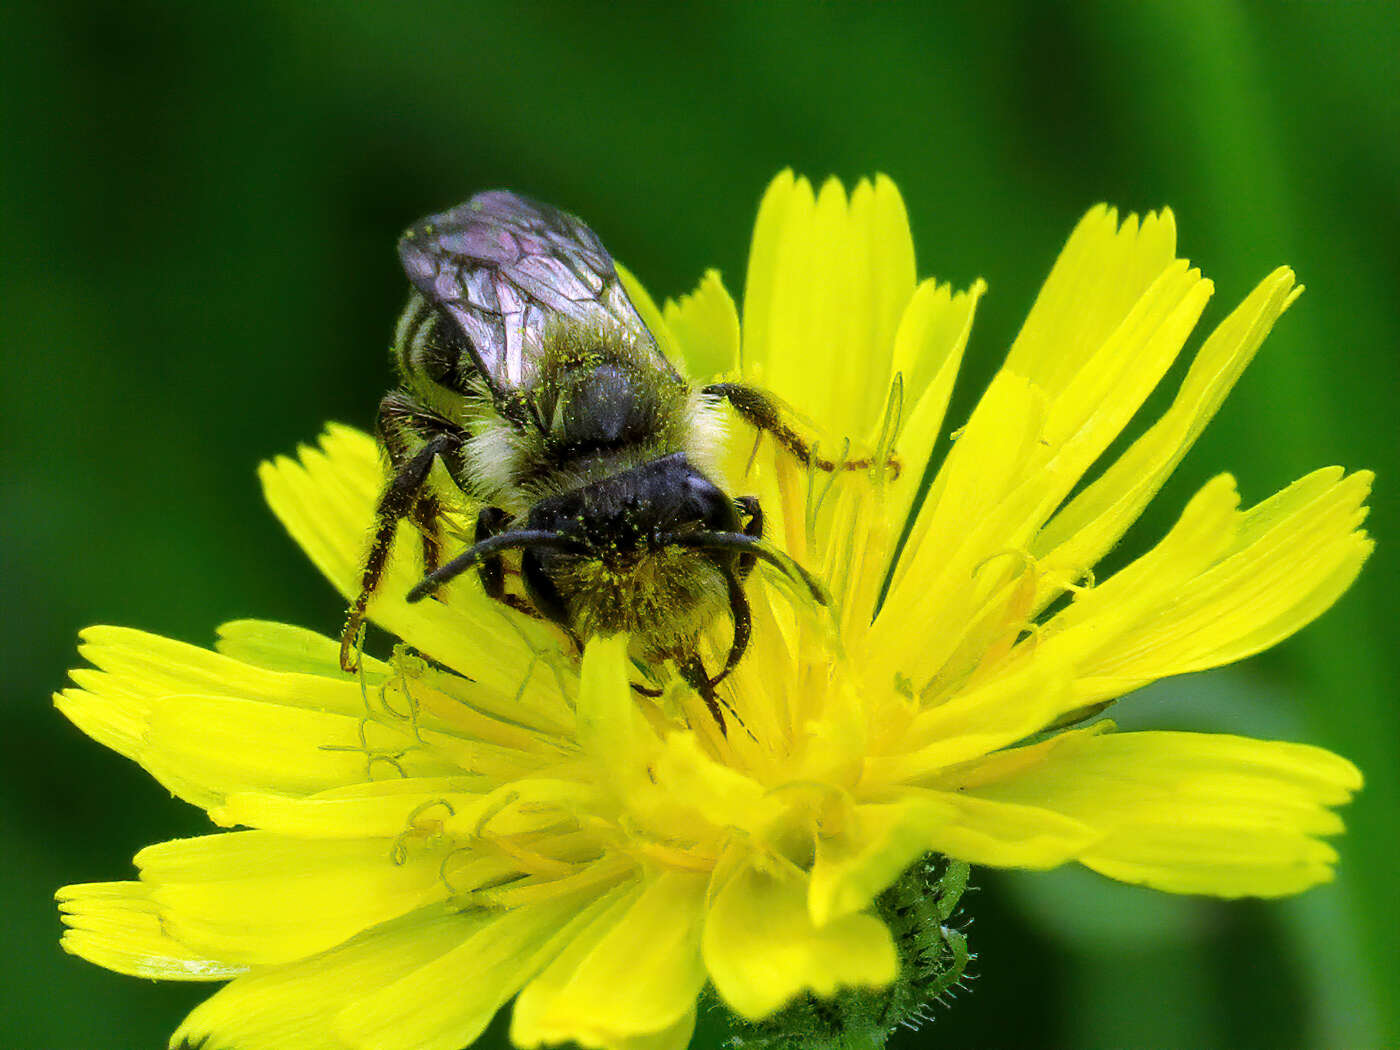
{"type": "Point", "coordinates": [492, 521]}
{"type": "Point", "coordinates": [753, 527]}
{"type": "Point", "coordinates": [693, 672]}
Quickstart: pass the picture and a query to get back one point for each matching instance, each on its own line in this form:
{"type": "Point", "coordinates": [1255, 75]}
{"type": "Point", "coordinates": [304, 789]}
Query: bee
{"type": "Point", "coordinates": [525, 369]}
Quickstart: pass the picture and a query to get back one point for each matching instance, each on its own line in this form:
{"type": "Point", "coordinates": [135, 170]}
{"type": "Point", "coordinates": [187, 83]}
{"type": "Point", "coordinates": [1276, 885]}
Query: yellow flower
{"type": "Point", "coordinates": [436, 836]}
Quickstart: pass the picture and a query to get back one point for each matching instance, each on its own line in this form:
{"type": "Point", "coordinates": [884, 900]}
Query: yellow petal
{"type": "Point", "coordinates": [1101, 273]}
{"type": "Point", "coordinates": [146, 665]}
{"type": "Point", "coordinates": [1101, 615]}
{"type": "Point", "coordinates": [982, 468]}
{"type": "Point", "coordinates": [227, 745]}
{"type": "Point", "coordinates": [831, 744]}
{"type": "Point", "coordinates": [1284, 563]}
{"type": "Point", "coordinates": [651, 316]}
{"type": "Point", "coordinates": [1293, 555]}
{"type": "Point", "coordinates": [804, 360]}
{"type": "Point", "coordinates": [858, 549]}
{"type": "Point", "coordinates": [117, 925]}
{"type": "Point", "coordinates": [997, 713]}
{"type": "Point", "coordinates": [874, 846]}
{"type": "Point", "coordinates": [717, 794]}
{"type": "Point", "coordinates": [1001, 834]}
{"type": "Point", "coordinates": [1192, 813]}
{"type": "Point", "coordinates": [326, 502]}
{"type": "Point", "coordinates": [286, 647]}
{"type": "Point", "coordinates": [610, 728]}
{"type": "Point", "coordinates": [1109, 323]}
{"type": "Point", "coordinates": [447, 1002]}
{"type": "Point", "coordinates": [635, 973]}
{"type": "Point", "coordinates": [881, 278]}
{"type": "Point", "coordinates": [411, 809]}
{"type": "Point", "coordinates": [294, 1007]}
{"type": "Point", "coordinates": [784, 195]}
{"type": "Point", "coordinates": [1043, 445]}
{"type": "Point", "coordinates": [205, 724]}
{"type": "Point", "coordinates": [397, 806]}
{"type": "Point", "coordinates": [1090, 410]}
{"type": "Point", "coordinates": [828, 280]}
{"type": "Point", "coordinates": [706, 327]}
{"type": "Point", "coordinates": [676, 1037]}
{"type": "Point", "coordinates": [762, 948]}
{"type": "Point", "coordinates": [928, 350]}
{"type": "Point", "coordinates": [1081, 533]}
{"type": "Point", "coordinates": [256, 898]}
{"type": "Point", "coordinates": [539, 993]}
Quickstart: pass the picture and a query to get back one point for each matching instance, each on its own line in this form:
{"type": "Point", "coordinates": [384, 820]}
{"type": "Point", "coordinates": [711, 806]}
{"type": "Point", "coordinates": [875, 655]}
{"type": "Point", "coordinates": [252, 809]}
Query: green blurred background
{"type": "Point", "coordinates": [198, 207]}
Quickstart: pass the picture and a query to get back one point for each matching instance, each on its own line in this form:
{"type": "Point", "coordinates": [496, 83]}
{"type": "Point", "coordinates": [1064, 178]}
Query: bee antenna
{"type": "Point", "coordinates": [479, 552]}
{"type": "Point", "coordinates": [745, 544]}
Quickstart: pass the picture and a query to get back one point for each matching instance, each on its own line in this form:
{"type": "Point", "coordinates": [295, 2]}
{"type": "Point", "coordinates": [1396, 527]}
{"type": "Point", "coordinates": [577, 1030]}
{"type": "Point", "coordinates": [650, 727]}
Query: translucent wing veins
{"type": "Point", "coordinates": [501, 266]}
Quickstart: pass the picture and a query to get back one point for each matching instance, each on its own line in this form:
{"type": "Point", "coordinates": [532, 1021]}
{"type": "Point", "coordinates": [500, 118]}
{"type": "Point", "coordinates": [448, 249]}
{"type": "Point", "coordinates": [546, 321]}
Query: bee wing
{"type": "Point", "coordinates": [501, 266]}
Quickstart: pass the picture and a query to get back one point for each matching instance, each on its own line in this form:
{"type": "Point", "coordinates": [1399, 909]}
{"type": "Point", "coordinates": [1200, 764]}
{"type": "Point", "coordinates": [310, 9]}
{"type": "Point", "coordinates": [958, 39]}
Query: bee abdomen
{"type": "Point", "coordinates": [430, 349]}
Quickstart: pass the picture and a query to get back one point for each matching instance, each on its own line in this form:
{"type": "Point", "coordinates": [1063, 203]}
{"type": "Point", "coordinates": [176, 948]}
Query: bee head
{"type": "Point", "coordinates": [620, 569]}
{"type": "Point", "coordinates": [654, 551]}
{"type": "Point", "coordinates": [631, 511]}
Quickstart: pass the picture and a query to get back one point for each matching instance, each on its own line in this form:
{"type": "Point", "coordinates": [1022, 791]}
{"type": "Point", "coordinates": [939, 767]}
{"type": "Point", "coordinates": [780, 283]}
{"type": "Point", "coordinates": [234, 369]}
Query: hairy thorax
{"type": "Point", "coordinates": [596, 406]}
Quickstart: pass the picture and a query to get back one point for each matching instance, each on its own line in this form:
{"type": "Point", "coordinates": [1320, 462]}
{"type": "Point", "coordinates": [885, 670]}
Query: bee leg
{"type": "Point", "coordinates": [425, 518]}
{"type": "Point", "coordinates": [753, 527]}
{"type": "Point", "coordinates": [743, 627]}
{"type": "Point", "coordinates": [694, 674]}
{"type": "Point", "coordinates": [548, 603]}
{"type": "Point", "coordinates": [397, 502]}
{"type": "Point", "coordinates": [403, 426]}
{"type": "Point", "coordinates": [762, 411]}
{"type": "Point", "coordinates": [492, 521]}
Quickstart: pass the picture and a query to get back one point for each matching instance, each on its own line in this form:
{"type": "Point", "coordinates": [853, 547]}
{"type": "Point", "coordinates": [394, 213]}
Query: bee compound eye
{"type": "Point", "coordinates": [721, 514]}
{"type": "Point", "coordinates": [707, 505]}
